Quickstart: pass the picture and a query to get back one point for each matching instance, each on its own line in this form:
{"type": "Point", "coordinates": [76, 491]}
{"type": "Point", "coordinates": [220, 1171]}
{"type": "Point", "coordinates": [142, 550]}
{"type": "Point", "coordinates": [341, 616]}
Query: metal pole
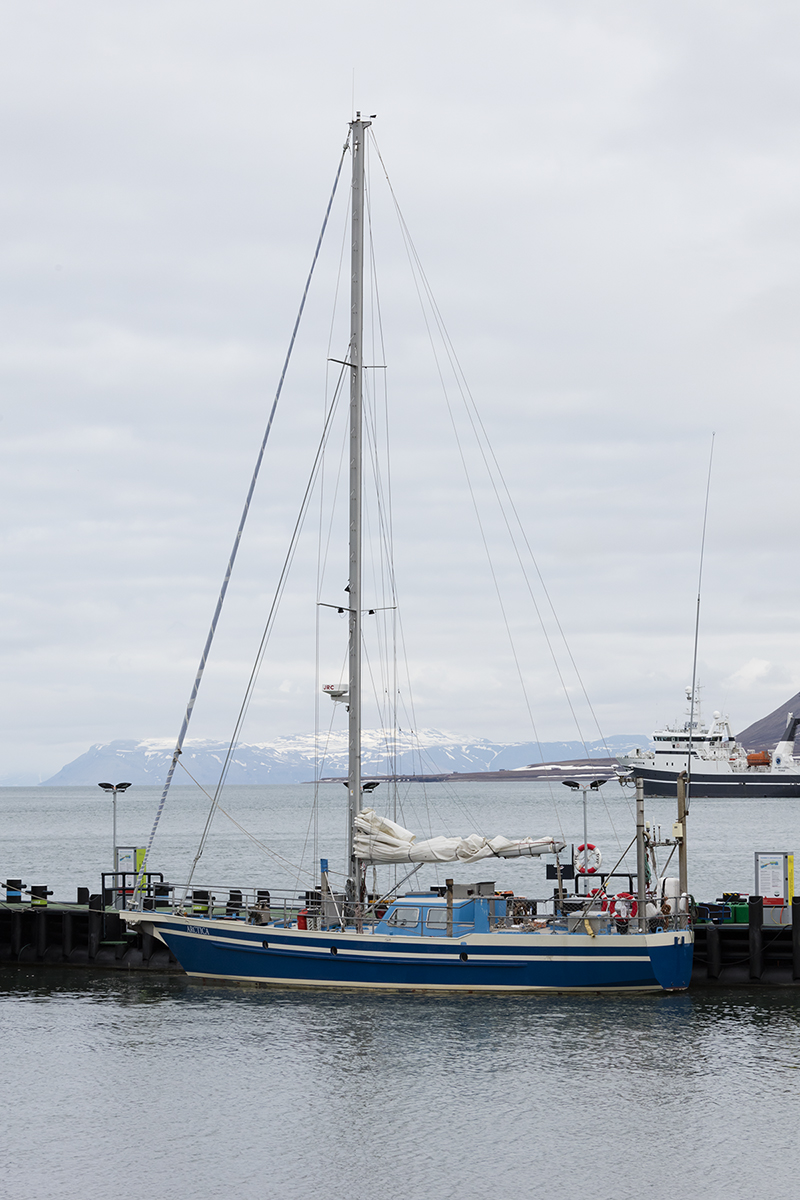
{"type": "Point", "coordinates": [585, 834]}
{"type": "Point", "coordinates": [641, 869]}
{"type": "Point", "coordinates": [114, 831]}
{"type": "Point", "coordinates": [682, 859]}
{"type": "Point", "coordinates": [358, 129]}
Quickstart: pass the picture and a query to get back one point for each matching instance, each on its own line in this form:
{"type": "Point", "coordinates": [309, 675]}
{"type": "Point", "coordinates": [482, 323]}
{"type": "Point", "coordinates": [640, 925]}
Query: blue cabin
{"type": "Point", "coordinates": [424, 914]}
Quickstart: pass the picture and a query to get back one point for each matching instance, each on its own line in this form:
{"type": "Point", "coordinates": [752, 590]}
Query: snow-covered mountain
{"type": "Point", "coordinates": [291, 759]}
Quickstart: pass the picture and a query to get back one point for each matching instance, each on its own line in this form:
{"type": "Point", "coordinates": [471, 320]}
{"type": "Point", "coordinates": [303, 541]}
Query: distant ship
{"type": "Point", "coordinates": [720, 766]}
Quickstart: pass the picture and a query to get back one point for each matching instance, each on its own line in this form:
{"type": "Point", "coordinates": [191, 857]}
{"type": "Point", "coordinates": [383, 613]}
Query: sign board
{"type": "Point", "coordinates": [129, 860]}
{"type": "Point", "coordinates": [774, 879]}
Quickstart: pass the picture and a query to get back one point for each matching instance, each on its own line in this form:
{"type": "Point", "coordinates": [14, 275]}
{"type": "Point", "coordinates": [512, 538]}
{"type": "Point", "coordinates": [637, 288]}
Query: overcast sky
{"type": "Point", "coordinates": [606, 200]}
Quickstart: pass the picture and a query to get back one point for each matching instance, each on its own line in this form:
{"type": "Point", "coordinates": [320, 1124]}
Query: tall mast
{"type": "Point", "coordinates": [355, 358]}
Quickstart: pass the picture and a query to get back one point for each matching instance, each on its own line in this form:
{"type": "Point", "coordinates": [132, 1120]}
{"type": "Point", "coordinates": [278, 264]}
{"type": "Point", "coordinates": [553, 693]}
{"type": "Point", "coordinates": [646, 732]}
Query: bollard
{"type": "Point", "coordinates": [795, 937]}
{"type": "Point", "coordinates": [39, 894]}
{"type": "Point", "coordinates": [14, 891]}
{"type": "Point", "coordinates": [755, 920]}
{"type": "Point", "coordinates": [83, 895]}
{"type": "Point", "coordinates": [713, 951]}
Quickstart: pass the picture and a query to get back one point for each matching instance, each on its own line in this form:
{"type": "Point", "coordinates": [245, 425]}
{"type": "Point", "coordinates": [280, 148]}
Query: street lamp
{"type": "Point", "coordinates": [114, 788]}
{"type": "Point", "coordinates": [594, 786]}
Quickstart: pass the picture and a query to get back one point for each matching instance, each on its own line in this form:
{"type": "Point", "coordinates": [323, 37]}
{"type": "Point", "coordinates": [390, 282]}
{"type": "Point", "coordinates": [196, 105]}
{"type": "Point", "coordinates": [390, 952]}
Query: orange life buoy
{"type": "Point", "coordinates": [593, 857]}
{"type": "Point", "coordinates": [627, 896]}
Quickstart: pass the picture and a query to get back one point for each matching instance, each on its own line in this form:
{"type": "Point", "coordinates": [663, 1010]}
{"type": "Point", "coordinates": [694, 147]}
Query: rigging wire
{"type": "Point", "coordinates": [420, 278]}
{"type": "Point", "coordinates": [256, 841]}
{"type": "Point", "coordinates": [273, 610]}
{"type": "Point", "coordinates": [237, 540]}
{"type": "Point", "coordinates": [484, 445]}
{"type": "Point", "coordinates": [697, 622]}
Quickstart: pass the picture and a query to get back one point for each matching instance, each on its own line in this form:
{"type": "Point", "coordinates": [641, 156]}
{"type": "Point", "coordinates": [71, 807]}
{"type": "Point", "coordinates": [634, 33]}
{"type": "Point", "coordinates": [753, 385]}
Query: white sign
{"type": "Point", "coordinates": [772, 876]}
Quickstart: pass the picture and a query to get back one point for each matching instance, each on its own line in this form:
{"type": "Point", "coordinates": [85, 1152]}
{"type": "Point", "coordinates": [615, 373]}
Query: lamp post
{"type": "Point", "coordinates": [594, 786]}
{"type": "Point", "coordinates": [114, 788]}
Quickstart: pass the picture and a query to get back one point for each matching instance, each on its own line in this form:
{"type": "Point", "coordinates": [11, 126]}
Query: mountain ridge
{"type": "Point", "coordinates": [291, 759]}
{"type": "Point", "coordinates": [765, 733]}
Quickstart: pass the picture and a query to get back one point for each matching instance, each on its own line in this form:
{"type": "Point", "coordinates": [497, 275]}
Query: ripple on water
{"type": "Point", "coordinates": [217, 1091]}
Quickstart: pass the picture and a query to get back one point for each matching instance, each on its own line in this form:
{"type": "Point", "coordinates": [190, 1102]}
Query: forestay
{"type": "Point", "coordinates": [379, 840]}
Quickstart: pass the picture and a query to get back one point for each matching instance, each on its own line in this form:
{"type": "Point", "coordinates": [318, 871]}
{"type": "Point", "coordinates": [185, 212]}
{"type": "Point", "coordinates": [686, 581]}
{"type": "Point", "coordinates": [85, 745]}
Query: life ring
{"type": "Point", "coordinates": [632, 904]}
{"type": "Point", "coordinates": [594, 859]}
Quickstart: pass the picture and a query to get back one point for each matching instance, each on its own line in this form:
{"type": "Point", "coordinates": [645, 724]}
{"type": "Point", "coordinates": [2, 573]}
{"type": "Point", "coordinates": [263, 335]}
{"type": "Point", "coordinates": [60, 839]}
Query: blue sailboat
{"type": "Point", "coordinates": [465, 937]}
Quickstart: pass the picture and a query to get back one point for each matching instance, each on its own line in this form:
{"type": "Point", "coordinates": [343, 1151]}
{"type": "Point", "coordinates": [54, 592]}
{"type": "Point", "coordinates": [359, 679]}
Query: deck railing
{"type": "Point", "coordinates": [325, 910]}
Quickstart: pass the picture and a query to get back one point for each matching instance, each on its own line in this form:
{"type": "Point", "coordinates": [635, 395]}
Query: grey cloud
{"type": "Point", "coordinates": [605, 202]}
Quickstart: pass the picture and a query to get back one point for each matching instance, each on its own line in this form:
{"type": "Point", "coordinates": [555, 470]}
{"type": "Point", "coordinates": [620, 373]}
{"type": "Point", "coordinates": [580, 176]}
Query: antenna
{"type": "Point", "coordinates": [697, 624]}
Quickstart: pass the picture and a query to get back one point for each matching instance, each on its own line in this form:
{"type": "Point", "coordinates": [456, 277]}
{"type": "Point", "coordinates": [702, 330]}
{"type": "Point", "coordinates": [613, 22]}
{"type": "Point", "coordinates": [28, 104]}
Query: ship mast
{"type": "Point", "coordinates": [358, 129]}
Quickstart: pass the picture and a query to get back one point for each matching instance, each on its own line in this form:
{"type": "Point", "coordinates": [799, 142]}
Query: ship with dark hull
{"type": "Point", "coordinates": [715, 763]}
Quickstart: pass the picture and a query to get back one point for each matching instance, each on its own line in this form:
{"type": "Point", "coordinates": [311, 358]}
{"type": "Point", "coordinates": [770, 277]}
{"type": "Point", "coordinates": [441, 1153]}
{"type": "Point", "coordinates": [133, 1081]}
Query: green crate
{"type": "Point", "coordinates": [739, 914]}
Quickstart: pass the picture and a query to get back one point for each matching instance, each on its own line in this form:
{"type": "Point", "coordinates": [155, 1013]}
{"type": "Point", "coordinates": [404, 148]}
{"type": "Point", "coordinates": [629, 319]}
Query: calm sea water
{"type": "Point", "coordinates": [120, 1086]}
{"type": "Point", "coordinates": [62, 836]}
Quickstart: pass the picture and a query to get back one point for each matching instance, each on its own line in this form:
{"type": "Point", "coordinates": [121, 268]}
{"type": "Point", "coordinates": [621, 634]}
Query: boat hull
{"type": "Point", "coordinates": [756, 785]}
{"type": "Point", "coordinates": [494, 962]}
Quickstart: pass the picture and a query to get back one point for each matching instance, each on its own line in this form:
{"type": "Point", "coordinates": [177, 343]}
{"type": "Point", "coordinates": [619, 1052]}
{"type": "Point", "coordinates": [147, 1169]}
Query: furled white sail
{"type": "Point", "coordinates": [379, 840]}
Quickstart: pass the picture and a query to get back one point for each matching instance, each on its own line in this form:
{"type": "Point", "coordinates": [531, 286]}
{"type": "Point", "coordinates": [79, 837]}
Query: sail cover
{"type": "Point", "coordinates": [379, 840]}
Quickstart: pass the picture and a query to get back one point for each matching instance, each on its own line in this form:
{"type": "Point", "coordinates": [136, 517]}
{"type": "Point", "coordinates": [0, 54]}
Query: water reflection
{"type": "Point", "coordinates": [222, 1091]}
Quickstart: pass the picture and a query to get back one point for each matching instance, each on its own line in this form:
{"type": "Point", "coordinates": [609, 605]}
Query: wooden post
{"type": "Point", "coordinates": [95, 924]}
{"type": "Point", "coordinates": [755, 915]}
{"type": "Point", "coordinates": [641, 860]}
{"type": "Point", "coordinates": [41, 933]}
{"type": "Point", "coordinates": [449, 886]}
{"type": "Point", "coordinates": [67, 934]}
{"type": "Point", "coordinates": [683, 871]}
{"type": "Point", "coordinates": [16, 934]}
{"type": "Point", "coordinates": [795, 937]}
{"type": "Point", "coordinates": [713, 951]}
{"type": "Point", "coordinates": [560, 884]}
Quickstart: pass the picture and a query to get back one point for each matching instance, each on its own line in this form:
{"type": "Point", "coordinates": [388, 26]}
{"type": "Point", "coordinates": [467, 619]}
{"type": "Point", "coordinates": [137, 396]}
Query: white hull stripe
{"type": "Point", "coordinates": [408, 949]}
{"type": "Point", "coordinates": [476, 954]}
{"type": "Point", "coordinates": [282, 981]}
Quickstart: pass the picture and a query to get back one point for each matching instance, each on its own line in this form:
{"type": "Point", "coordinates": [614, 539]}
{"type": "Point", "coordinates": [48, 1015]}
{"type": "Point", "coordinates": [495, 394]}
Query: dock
{"type": "Point", "coordinates": [761, 951]}
{"type": "Point", "coordinates": [751, 953]}
{"type": "Point", "coordinates": [85, 934]}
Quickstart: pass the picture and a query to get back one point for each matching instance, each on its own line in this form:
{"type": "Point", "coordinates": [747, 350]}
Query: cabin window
{"type": "Point", "coordinates": [402, 918]}
{"type": "Point", "coordinates": [436, 917]}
